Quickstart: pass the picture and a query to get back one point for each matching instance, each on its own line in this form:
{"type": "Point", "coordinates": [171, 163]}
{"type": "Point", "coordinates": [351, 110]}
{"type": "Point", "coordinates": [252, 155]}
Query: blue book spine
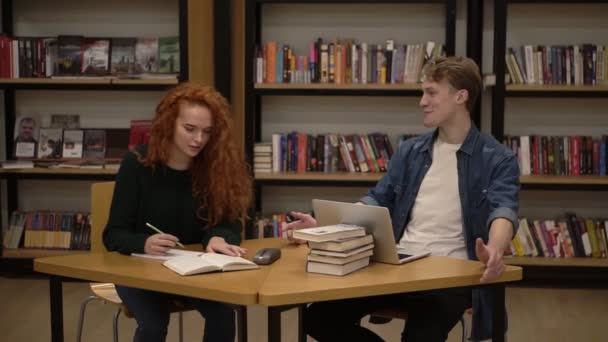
{"type": "Point", "coordinates": [279, 60]}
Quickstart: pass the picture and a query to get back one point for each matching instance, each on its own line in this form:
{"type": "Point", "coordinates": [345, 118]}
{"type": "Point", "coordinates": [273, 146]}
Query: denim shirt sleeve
{"type": "Point", "coordinates": [503, 193]}
{"type": "Point", "coordinates": [383, 194]}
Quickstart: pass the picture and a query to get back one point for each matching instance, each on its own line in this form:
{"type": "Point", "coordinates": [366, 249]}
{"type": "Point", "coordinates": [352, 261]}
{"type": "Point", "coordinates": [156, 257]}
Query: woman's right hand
{"type": "Point", "coordinates": [302, 221]}
{"type": "Point", "coordinates": [159, 244]}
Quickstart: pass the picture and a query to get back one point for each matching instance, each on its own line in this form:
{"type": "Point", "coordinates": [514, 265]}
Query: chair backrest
{"type": "Point", "coordinates": [101, 200]}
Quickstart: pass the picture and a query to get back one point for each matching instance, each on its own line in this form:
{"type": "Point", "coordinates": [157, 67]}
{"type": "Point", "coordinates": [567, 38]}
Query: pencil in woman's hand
{"type": "Point", "coordinates": [160, 232]}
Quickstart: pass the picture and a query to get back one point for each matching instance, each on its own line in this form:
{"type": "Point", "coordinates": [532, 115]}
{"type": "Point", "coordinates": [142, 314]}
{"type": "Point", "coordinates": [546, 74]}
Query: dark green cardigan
{"type": "Point", "coordinates": [163, 198]}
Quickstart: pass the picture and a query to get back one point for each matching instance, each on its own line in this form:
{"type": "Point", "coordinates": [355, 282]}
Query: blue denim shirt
{"type": "Point", "coordinates": [488, 181]}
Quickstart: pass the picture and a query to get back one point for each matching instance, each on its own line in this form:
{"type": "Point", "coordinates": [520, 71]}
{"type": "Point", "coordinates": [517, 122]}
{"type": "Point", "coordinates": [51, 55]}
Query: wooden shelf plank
{"type": "Point", "coordinates": [75, 80]}
{"type": "Point", "coordinates": [152, 81]}
{"type": "Point", "coordinates": [32, 253]}
{"type": "Point", "coordinates": [99, 81]}
{"type": "Point", "coordinates": [58, 171]}
{"type": "Point", "coordinates": [557, 262]}
{"type": "Point", "coordinates": [333, 86]}
{"type": "Point", "coordinates": [367, 177]}
{"type": "Point", "coordinates": [565, 180]}
{"type": "Point", "coordinates": [319, 176]}
{"type": "Point", "coordinates": [556, 87]}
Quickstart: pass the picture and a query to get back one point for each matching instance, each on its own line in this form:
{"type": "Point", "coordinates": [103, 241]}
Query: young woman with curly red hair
{"type": "Point", "coordinates": [192, 182]}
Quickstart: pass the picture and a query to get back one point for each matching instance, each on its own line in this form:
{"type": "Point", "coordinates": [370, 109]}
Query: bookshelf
{"type": "Point", "coordinates": [298, 22]}
{"type": "Point", "coordinates": [510, 101]}
{"type": "Point", "coordinates": [31, 95]}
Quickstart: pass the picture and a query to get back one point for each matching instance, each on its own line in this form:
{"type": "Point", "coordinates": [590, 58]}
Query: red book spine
{"type": "Point", "coordinates": [302, 153]}
{"type": "Point", "coordinates": [576, 156]}
{"type": "Point", "coordinates": [534, 155]}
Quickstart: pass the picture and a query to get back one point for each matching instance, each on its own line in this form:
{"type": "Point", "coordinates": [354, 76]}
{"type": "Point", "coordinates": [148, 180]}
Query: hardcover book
{"type": "Point", "coordinates": [329, 233]}
{"type": "Point", "coordinates": [50, 142]}
{"type": "Point", "coordinates": [341, 245]}
{"type": "Point", "coordinates": [139, 133]}
{"type": "Point", "coordinates": [333, 269]}
{"type": "Point", "coordinates": [25, 135]}
{"type": "Point", "coordinates": [69, 55]}
{"type": "Point", "coordinates": [96, 56]}
{"type": "Point", "coordinates": [168, 55]}
{"type": "Point", "coordinates": [94, 143]}
{"type": "Point", "coordinates": [72, 143]}
{"type": "Point", "coordinates": [146, 55]}
{"type": "Point", "coordinates": [339, 260]}
{"type": "Point", "coordinates": [123, 56]}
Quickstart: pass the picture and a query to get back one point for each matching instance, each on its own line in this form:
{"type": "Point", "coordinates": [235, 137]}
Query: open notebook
{"type": "Point", "coordinates": [207, 262]}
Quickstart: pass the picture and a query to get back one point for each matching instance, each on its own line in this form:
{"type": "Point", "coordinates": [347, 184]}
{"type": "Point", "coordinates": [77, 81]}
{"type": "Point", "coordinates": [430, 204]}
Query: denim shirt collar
{"type": "Point", "coordinates": [467, 146]}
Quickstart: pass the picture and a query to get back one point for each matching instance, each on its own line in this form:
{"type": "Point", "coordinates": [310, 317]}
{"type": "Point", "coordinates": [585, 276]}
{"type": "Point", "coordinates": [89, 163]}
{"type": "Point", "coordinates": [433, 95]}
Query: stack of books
{"type": "Point", "coordinates": [262, 158]}
{"type": "Point", "coordinates": [337, 249]}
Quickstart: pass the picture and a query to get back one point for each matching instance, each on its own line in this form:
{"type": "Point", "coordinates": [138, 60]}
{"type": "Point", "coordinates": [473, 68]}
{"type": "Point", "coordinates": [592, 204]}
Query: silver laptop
{"type": "Point", "coordinates": [376, 220]}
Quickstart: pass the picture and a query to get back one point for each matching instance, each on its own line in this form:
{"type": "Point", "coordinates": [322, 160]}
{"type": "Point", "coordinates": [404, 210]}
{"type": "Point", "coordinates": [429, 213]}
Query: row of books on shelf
{"type": "Point", "coordinates": [48, 229]}
{"type": "Point", "coordinates": [560, 155]}
{"type": "Point", "coordinates": [74, 55]}
{"type": "Point", "coordinates": [559, 64]}
{"type": "Point", "coordinates": [344, 61]}
{"type": "Point", "coordinates": [301, 152]}
{"type": "Point", "coordinates": [565, 237]}
{"type": "Point", "coordinates": [65, 139]}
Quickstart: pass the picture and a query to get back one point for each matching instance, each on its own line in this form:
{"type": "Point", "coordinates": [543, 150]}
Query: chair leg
{"type": "Point", "coordinates": [115, 324]}
{"type": "Point", "coordinates": [181, 326]}
{"type": "Point", "coordinates": [83, 308]}
{"type": "Point", "coordinates": [465, 333]}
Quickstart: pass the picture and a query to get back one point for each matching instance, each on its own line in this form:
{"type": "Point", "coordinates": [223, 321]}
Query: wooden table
{"type": "Point", "coordinates": [280, 286]}
{"type": "Point", "coordinates": [238, 288]}
{"type": "Point", "coordinates": [288, 285]}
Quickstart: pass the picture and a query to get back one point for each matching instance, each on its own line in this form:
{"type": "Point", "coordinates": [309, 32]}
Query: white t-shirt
{"type": "Point", "coordinates": [436, 219]}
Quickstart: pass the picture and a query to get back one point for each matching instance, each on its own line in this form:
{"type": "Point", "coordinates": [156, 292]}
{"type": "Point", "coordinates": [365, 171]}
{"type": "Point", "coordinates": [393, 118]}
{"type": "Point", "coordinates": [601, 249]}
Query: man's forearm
{"type": "Point", "coordinates": [501, 234]}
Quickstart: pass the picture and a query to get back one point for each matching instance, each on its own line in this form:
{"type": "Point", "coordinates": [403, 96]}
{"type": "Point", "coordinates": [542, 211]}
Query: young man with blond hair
{"type": "Point", "coordinates": [453, 192]}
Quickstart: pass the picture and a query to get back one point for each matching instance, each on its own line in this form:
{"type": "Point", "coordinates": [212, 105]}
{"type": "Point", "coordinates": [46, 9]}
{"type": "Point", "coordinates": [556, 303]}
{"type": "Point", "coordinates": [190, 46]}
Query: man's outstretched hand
{"type": "Point", "coordinates": [492, 258]}
{"type": "Point", "coordinates": [302, 221]}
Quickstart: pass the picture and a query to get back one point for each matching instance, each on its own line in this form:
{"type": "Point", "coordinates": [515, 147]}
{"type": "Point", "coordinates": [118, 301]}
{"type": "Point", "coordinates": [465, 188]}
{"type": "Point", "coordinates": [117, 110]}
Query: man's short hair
{"type": "Point", "coordinates": [460, 72]}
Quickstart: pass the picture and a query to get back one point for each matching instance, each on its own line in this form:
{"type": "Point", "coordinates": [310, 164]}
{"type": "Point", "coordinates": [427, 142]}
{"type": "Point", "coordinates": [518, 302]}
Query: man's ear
{"type": "Point", "coordinates": [462, 96]}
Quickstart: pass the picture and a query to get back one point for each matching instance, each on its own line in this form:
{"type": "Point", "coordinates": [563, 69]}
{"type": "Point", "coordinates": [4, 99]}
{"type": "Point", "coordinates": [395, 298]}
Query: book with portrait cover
{"type": "Point", "coordinates": [25, 136]}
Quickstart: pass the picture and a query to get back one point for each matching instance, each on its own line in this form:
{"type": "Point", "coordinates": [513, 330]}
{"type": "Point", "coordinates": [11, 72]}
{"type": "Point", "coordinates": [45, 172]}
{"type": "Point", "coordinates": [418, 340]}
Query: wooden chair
{"type": "Point", "coordinates": [385, 315]}
{"type": "Point", "coordinates": [101, 199]}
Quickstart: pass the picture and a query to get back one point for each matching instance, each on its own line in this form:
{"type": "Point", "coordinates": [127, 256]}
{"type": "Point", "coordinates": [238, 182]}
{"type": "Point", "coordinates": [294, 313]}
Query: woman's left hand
{"type": "Point", "coordinates": [219, 245]}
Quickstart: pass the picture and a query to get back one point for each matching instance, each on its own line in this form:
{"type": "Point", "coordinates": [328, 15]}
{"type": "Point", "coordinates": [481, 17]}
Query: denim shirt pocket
{"type": "Point", "coordinates": [479, 213]}
{"type": "Point", "coordinates": [481, 197]}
